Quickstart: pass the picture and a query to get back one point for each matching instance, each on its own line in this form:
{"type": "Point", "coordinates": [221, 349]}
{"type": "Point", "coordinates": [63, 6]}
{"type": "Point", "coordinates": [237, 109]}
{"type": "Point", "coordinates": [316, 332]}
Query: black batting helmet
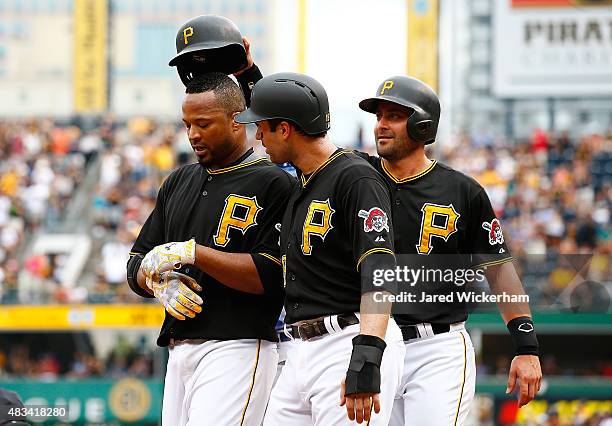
{"type": "Point", "coordinates": [416, 95]}
{"type": "Point", "coordinates": [289, 96]}
{"type": "Point", "coordinates": [208, 43]}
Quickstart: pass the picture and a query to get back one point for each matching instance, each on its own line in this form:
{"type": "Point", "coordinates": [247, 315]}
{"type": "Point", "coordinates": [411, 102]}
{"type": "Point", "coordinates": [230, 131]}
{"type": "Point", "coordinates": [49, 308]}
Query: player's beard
{"type": "Point", "coordinates": [217, 153]}
{"type": "Point", "coordinates": [206, 161]}
{"type": "Point", "coordinates": [396, 149]}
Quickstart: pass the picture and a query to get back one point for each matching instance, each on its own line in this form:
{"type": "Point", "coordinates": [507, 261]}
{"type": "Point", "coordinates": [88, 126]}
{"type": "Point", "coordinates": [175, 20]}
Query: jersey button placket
{"type": "Point", "coordinates": [204, 191]}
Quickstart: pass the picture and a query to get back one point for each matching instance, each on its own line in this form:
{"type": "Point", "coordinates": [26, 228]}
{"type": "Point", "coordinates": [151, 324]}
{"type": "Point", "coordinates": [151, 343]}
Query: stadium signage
{"type": "Point", "coordinates": [557, 51]}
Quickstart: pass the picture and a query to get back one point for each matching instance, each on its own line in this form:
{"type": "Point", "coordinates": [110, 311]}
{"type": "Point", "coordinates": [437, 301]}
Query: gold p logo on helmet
{"type": "Point", "coordinates": [187, 32]}
{"type": "Point", "coordinates": [387, 85]}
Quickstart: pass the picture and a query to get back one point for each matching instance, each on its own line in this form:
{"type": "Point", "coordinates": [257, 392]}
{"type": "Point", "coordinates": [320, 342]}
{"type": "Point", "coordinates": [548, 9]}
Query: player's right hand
{"type": "Point", "coordinates": [359, 406]}
{"type": "Point", "coordinates": [168, 256]}
{"type": "Point", "coordinates": [175, 291]}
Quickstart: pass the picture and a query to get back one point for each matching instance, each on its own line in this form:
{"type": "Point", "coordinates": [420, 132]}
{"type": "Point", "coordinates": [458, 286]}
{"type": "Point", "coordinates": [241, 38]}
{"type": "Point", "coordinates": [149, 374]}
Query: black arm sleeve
{"type": "Point", "coordinates": [270, 272]}
{"type": "Point", "coordinates": [247, 80]}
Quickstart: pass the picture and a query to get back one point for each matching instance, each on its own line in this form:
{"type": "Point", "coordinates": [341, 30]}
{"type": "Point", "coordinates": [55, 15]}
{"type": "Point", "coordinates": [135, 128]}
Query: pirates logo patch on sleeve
{"type": "Point", "coordinates": [374, 219]}
{"type": "Point", "coordinates": [495, 232]}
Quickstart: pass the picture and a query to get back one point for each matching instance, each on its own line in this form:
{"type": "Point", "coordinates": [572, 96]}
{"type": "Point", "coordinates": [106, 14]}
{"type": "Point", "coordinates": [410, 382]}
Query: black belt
{"type": "Point", "coordinates": [412, 332]}
{"type": "Point", "coordinates": [307, 330]}
{"type": "Point", "coordinates": [176, 342]}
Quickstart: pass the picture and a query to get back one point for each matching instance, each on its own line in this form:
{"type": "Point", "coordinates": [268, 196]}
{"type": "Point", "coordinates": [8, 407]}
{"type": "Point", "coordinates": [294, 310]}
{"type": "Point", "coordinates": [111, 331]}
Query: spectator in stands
{"type": "Point", "coordinates": [554, 202]}
{"type": "Point", "coordinates": [115, 254]}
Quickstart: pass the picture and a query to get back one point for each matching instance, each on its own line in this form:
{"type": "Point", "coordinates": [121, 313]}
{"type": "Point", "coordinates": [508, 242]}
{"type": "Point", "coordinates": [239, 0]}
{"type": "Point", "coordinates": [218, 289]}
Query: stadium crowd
{"type": "Point", "coordinates": [22, 360]}
{"type": "Point", "coordinates": [553, 194]}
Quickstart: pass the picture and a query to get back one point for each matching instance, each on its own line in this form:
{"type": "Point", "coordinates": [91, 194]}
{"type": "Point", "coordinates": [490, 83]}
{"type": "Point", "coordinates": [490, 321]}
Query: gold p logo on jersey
{"type": "Point", "coordinates": [429, 229]}
{"type": "Point", "coordinates": [317, 222]}
{"type": "Point", "coordinates": [239, 213]}
{"type": "Point", "coordinates": [187, 32]}
{"type": "Point", "coordinates": [387, 85]}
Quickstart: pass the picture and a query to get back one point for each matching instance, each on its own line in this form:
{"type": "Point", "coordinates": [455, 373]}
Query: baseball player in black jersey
{"type": "Point", "coordinates": [438, 211]}
{"type": "Point", "coordinates": [209, 252]}
{"type": "Point", "coordinates": [336, 225]}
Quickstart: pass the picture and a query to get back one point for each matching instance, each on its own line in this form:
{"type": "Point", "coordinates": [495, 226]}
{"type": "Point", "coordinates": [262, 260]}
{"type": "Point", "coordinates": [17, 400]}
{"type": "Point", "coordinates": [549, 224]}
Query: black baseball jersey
{"type": "Point", "coordinates": [336, 221]}
{"type": "Point", "coordinates": [235, 209]}
{"type": "Point", "coordinates": [447, 216]}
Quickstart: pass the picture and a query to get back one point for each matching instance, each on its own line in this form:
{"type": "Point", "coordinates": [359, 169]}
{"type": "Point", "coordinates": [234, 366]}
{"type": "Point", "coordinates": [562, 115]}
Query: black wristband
{"type": "Point", "coordinates": [133, 266]}
{"type": "Point", "coordinates": [524, 336]}
{"type": "Point", "coordinates": [363, 375]}
{"type": "Point", "coordinates": [367, 340]}
{"type": "Point", "coordinates": [247, 80]}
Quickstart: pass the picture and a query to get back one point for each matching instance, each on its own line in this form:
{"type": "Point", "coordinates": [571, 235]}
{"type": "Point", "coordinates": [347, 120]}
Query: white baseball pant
{"type": "Point", "coordinates": [219, 382]}
{"type": "Point", "coordinates": [439, 380]}
{"type": "Point", "coordinates": [308, 389]}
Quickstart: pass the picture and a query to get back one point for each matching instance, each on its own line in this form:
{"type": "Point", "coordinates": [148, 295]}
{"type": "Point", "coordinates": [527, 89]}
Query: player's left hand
{"type": "Point", "coordinates": [527, 371]}
{"type": "Point", "coordinates": [176, 292]}
{"type": "Point", "coordinates": [359, 406]}
{"type": "Point", "coordinates": [168, 256]}
{"type": "Point", "coordinates": [247, 47]}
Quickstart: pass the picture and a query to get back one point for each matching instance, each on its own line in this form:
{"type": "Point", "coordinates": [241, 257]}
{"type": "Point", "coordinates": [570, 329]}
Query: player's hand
{"type": "Point", "coordinates": [168, 256]}
{"type": "Point", "coordinates": [359, 406]}
{"type": "Point", "coordinates": [175, 291]}
{"type": "Point", "coordinates": [247, 47]}
{"type": "Point", "coordinates": [526, 370]}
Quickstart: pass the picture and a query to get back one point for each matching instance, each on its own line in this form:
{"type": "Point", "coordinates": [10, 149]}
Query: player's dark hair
{"type": "Point", "coordinates": [227, 92]}
{"type": "Point", "coordinates": [274, 122]}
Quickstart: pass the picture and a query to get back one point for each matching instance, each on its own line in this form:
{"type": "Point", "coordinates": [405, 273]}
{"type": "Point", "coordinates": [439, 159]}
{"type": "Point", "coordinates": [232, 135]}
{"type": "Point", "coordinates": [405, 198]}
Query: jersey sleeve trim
{"type": "Point", "coordinates": [494, 262]}
{"type": "Point", "coordinates": [374, 250]}
{"type": "Point", "coordinates": [272, 258]}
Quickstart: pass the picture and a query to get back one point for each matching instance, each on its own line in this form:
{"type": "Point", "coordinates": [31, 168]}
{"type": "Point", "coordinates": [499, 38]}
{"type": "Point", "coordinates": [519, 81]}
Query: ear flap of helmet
{"type": "Point", "coordinates": [184, 73]}
{"type": "Point", "coordinates": [421, 128]}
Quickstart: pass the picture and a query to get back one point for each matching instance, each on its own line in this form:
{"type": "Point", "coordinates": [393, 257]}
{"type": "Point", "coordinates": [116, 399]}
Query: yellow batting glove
{"type": "Point", "coordinates": [168, 256]}
{"type": "Point", "coordinates": [175, 291]}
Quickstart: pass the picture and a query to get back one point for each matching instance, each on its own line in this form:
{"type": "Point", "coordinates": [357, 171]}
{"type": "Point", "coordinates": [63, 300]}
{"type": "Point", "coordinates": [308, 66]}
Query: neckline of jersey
{"type": "Point", "coordinates": [409, 178]}
{"type": "Point", "coordinates": [321, 167]}
{"type": "Point", "coordinates": [232, 168]}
